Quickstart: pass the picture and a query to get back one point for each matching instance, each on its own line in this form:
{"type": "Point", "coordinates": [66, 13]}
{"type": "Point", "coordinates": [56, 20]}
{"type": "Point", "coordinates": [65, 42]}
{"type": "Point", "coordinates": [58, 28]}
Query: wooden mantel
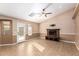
{"type": "Point", "coordinates": [76, 11]}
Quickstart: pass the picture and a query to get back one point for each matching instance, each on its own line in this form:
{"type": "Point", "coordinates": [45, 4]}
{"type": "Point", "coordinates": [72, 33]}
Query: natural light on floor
{"type": "Point", "coordinates": [38, 46]}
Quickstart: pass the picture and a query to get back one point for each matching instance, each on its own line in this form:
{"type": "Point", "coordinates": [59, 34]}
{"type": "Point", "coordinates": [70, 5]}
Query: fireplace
{"type": "Point", "coordinates": [53, 34]}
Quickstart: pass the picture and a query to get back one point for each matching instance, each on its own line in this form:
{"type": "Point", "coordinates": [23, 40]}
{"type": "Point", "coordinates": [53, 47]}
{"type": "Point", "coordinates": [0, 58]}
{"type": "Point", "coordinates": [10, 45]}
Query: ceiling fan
{"type": "Point", "coordinates": [43, 11]}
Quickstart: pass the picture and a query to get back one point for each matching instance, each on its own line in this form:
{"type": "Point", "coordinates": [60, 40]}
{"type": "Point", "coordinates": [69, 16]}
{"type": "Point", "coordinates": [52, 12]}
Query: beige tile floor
{"type": "Point", "coordinates": [39, 47]}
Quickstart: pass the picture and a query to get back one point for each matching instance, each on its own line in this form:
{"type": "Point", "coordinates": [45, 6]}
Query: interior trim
{"type": "Point", "coordinates": [77, 46]}
{"type": "Point", "coordinates": [12, 43]}
{"type": "Point", "coordinates": [67, 41]}
{"type": "Point", "coordinates": [67, 33]}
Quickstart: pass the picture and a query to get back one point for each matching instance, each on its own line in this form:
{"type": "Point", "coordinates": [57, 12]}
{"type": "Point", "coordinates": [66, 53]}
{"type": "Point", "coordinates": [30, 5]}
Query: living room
{"type": "Point", "coordinates": [27, 30]}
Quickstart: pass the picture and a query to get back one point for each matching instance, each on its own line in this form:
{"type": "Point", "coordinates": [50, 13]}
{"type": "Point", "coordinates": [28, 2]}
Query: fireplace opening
{"type": "Point", "coordinates": [53, 34]}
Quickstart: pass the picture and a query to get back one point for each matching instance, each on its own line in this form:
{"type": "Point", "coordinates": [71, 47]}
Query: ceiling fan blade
{"type": "Point", "coordinates": [48, 13]}
{"type": "Point", "coordinates": [45, 15]}
{"type": "Point", "coordinates": [47, 6]}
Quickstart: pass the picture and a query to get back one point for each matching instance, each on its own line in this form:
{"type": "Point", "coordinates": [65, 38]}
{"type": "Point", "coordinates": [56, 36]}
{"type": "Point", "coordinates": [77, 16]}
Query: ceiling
{"type": "Point", "coordinates": [22, 10]}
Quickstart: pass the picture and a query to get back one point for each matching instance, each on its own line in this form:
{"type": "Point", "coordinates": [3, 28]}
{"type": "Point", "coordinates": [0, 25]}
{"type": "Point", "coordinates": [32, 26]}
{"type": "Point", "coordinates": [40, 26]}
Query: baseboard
{"type": "Point", "coordinates": [73, 43]}
{"type": "Point", "coordinates": [8, 44]}
{"type": "Point", "coordinates": [67, 33]}
{"type": "Point", "coordinates": [77, 47]}
{"type": "Point", "coordinates": [12, 43]}
{"type": "Point", "coordinates": [34, 35]}
{"type": "Point", "coordinates": [67, 41]}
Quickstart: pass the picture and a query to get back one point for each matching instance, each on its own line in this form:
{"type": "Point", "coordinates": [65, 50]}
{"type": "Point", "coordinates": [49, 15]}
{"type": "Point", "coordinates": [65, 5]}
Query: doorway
{"type": "Point", "coordinates": [21, 32]}
{"type": "Point", "coordinates": [5, 31]}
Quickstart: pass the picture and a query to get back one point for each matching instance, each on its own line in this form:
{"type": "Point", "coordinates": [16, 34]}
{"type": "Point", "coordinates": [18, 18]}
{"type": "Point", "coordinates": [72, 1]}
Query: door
{"type": "Point", "coordinates": [6, 31]}
{"type": "Point", "coordinates": [21, 32]}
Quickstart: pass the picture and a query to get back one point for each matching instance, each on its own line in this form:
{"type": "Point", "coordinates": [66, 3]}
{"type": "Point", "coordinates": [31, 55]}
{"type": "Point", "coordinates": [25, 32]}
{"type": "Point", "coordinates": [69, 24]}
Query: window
{"type": "Point", "coordinates": [6, 27]}
{"type": "Point", "coordinates": [21, 31]}
{"type": "Point", "coordinates": [29, 30]}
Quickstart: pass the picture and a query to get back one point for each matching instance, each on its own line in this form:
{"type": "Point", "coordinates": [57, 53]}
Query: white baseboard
{"type": "Point", "coordinates": [67, 41]}
{"type": "Point", "coordinates": [68, 33]}
{"type": "Point", "coordinates": [77, 47]}
{"type": "Point", "coordinates": [71, 42]}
